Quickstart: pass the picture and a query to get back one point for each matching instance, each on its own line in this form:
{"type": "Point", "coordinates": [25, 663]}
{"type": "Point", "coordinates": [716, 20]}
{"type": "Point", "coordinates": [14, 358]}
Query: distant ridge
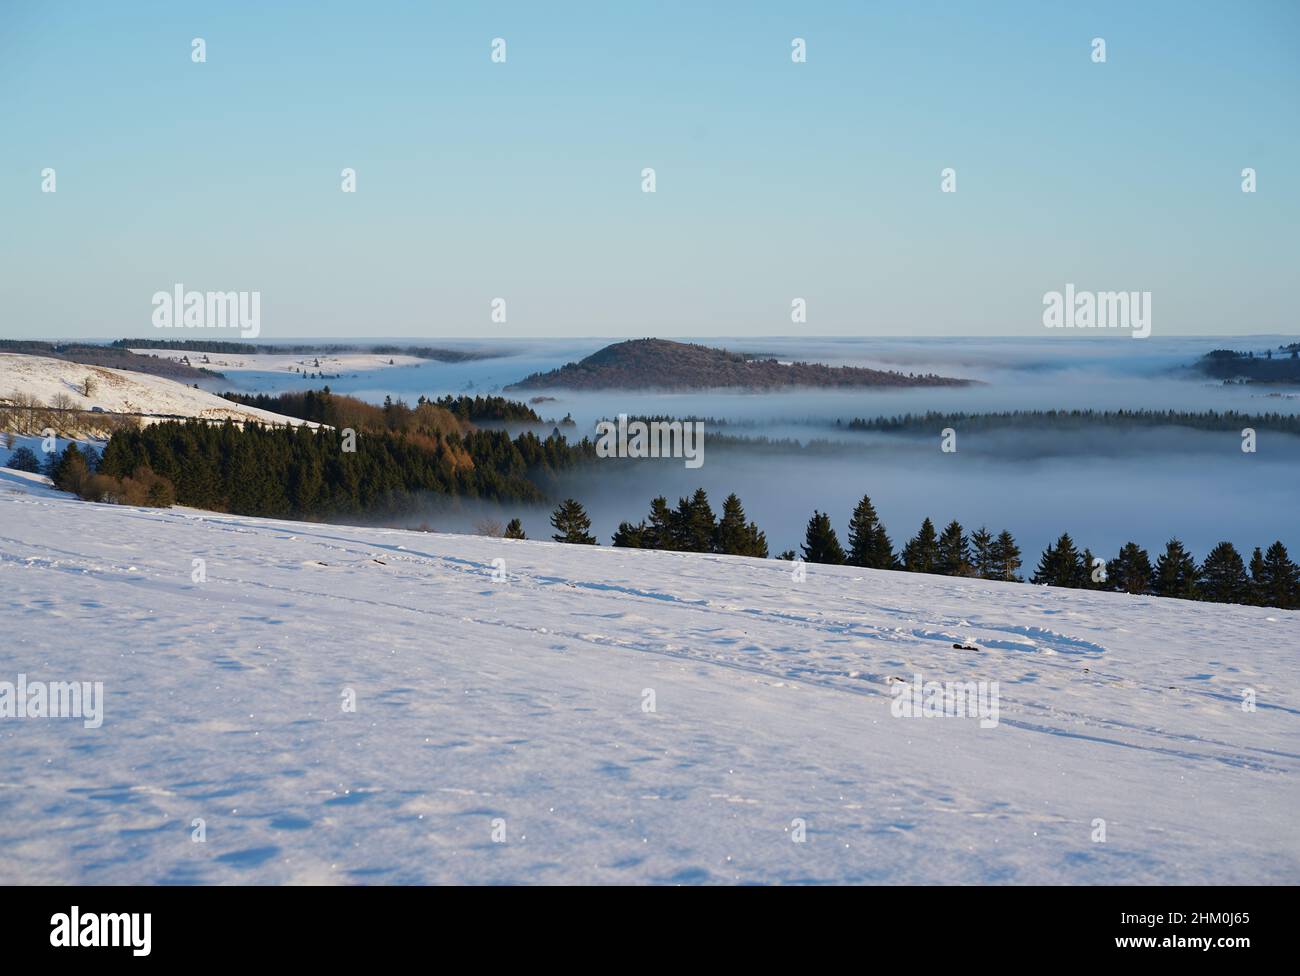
{"type": "Point", "coordinates": [661, 364]}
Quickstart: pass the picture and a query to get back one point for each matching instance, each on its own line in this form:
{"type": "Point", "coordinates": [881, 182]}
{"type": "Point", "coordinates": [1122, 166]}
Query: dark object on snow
{"type": "Point", "coordinates": [965, 647]}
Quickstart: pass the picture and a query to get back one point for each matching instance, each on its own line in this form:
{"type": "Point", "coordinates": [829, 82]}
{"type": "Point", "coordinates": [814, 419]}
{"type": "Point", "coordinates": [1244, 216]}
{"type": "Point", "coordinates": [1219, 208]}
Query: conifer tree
{"type": "Point", "coordinates": [981, 542]}
{"type": "Point", "coordinates": [1094, 577]}
{"type": "Point", "coordinates": [660, 532]}
{"type": "Point", "coordinates": [869, 545]}
{"type": "Point", "coordinates": [954, 551]}
{"type": "Point", "coordinates": [24, 459]}
{"type": "Point", "coordinates": [694, 523]}
{"type": "Point", "coordinates": [821, 545]}
{"type": "Point", "coordinates": [68, 470]}
{"type": "Point", "coordinates": [1223, 576]}
{"type": "Point", "coordinates": [629, 536]}
{"type": "Point", "coordinates": [921, 554]}
{"type": "Point", "coordinates": [1257, 573]}
{"type": "Point", "coordinates": [571, 524]}
{"type": "Point", "coordinates": [515, 529]}
{"type": "Point", "coordinates": [1279, 580]}
{"type": "Point", "coordinates": [1176, 572]}
{"type": "Point", "coordinates": [1061, 564]}
{"type": "Point", "coordinates": [1005, 557]}
{"type": "Point", "coordinates": [732, 537]}
{"type": "Point", "coordinates": [1130, 571]}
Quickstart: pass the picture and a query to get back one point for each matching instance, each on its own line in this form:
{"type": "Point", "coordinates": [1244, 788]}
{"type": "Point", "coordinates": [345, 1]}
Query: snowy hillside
{"type": "Point", "coordinates": [270, 362]}
{"type": "Point", "coordinates": [118, 390]}
{"type": "Point", "coordinates": [521, 700]}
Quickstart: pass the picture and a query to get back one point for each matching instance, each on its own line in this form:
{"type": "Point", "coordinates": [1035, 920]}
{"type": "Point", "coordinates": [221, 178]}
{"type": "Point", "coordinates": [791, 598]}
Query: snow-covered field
{"type": "Point", "coordinates": [285, 362]}
{"type": "Point", "coordinates": [517, 705]}
{"type": "Point", "coordinates": [118, 390]}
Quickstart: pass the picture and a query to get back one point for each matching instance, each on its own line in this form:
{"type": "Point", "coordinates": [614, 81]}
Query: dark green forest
{"type": "Point", "coordinates": [309, 473]}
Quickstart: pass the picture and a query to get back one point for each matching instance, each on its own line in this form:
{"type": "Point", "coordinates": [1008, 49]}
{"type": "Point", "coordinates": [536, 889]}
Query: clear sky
{"type": "Point", "coordinates": [522, 180]}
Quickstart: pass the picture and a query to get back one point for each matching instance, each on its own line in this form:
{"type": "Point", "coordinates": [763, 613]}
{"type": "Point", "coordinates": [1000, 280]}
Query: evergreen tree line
{"type": "Point", "coordinates": [1272, 578]}
{"type": "Point", "coordinates": [475, 408]}
{"type": "Point", "coordinates": [1212, 420]}
{"type": "Point", "coordinates": [690, 527]}
{"type": "Point", "coordinates": [336, 410]}
{"type": "Point", "coordinates": [304, 472]}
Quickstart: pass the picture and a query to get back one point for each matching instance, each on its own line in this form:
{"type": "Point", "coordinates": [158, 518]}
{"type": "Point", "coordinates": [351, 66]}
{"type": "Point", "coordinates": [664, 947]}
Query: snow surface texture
{"type": "Point", "coordinates": [120, 390]}
{"type": "Point", "coordinates": [520, 700]}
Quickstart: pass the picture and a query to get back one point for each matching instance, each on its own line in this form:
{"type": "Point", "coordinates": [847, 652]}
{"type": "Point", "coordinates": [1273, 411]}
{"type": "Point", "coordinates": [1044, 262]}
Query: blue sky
{"type": "Point", "coordinates": [522, 180]}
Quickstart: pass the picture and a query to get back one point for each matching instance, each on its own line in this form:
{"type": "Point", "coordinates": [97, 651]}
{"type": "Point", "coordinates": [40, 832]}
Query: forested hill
{"type": "Point", "coordinates": [660, 364]}
{"type": "Point", "coordinates": [1246, 367]}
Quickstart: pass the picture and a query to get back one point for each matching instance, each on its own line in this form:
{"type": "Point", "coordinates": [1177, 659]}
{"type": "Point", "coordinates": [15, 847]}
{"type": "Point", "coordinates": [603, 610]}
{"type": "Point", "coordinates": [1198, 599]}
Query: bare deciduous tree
{"type": "Point", "coordinates": [490, 527]}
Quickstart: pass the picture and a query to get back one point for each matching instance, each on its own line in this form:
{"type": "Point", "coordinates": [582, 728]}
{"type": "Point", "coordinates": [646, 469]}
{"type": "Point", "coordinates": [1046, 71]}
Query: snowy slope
{"type": "Point", "coordinates": [119, 390]}
{"type": "Point", "coordinates": [522, 700]}
{"type": "Point", "coordinates": [286, 362]}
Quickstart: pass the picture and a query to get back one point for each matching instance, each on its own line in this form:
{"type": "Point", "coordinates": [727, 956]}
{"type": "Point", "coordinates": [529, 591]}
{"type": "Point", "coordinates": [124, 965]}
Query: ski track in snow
{"type": "Point", "coordinates": [521, 700]}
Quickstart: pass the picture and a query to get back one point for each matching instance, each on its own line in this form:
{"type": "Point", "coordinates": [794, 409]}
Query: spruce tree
{"type": "Point", "coordinates": [1090, 574]}
{"type": "Point", "coordinates": [1130, 571]}
{"type": "Point", "coordinates": [24, 459]}
{"type": "Point", "coordinates": [981, 541]}
{"type": "Point", "coordinates": [1223, 576]}
{"type": "Point", "coordinates": [1279, 584]}
{"type": "Point", "coordinates": [1176, 572]}
{"type": "Point", "coordinates": [884, 557]}
{"type": "Point", "coordinates": [869, 545]}
{"type": "Point", "coordinates": [629, 536]}
{"type": "Point", "coordinates": [695, 523]}
{"type": "Point", "coordinates": [921, 554]}
{"type": "Point", "coordinates": [1047, 565]}
{"type": "Point", "coordinates": [732, 537]}
{"type": "Point", "coordinates": [1061, 564]}
{"type": "Point", "coordinates": [68, 470]}
{"type": "Point", "coordinates": [661, 532]}
{"type": "Point", "coordinates": [821, 545]}
{"type": "Point", "coordinates": [1005, 557]}
{"type": "Point", "coordinates": [954, 551]}
{"type": "Point", "coordinates": [1257, 573]}
{"type": "Point", "coordinates": [515, 529]}
{"type": "Point", "coordinates": [571, 524]}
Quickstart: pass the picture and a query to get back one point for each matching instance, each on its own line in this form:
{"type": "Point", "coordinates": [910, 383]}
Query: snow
{"type": "Point", "coordinates": [286, 362]}
{"type": "Point", "coordinates": [119, 390]}
{"type": "Point", "coordinates": [521, 700]}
